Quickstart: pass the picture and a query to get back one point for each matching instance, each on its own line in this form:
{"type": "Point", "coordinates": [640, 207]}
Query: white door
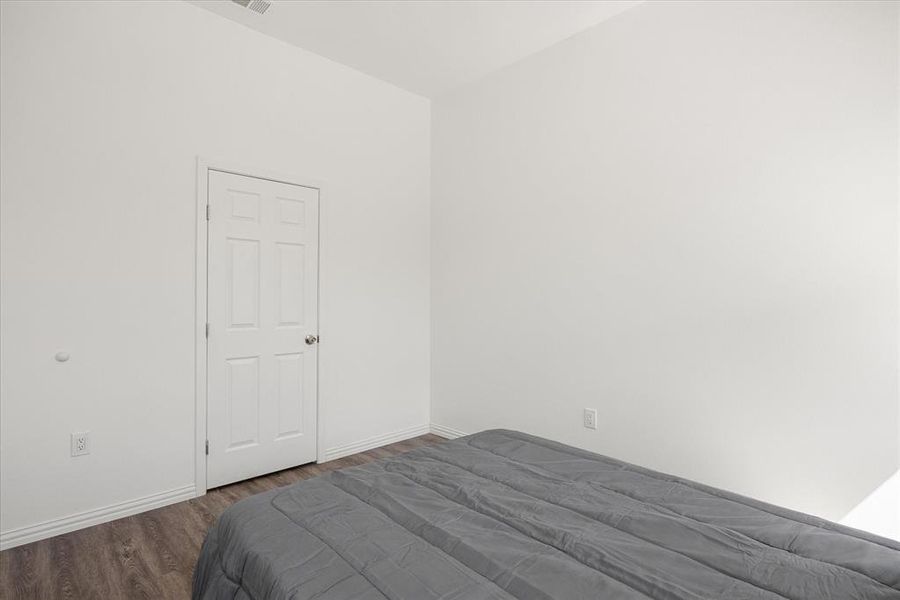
{"type": "Point", "coordinates": [262, 292]}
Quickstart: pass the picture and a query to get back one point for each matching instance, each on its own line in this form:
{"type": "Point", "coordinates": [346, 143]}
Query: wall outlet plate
{"type": "Point", "coordinates": [81, 443]}
{"type": "Point", "coordinates": [590, 418]}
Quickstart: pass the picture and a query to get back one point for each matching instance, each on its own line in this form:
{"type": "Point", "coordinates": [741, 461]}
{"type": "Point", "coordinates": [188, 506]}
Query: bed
{"type": "Point", "coordinates": [502, 514]}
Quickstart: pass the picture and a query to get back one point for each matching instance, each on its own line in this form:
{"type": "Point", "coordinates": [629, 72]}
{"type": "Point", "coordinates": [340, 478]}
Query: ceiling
{"type": "Point", "coordinates": [425, 46]}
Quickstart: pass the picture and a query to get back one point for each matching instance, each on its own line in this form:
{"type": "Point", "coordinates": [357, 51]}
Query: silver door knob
{"type": "Point", "coordinates": [311, 339]}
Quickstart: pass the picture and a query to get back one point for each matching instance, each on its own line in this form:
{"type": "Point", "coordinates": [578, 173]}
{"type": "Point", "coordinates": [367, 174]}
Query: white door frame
{"type": "Point", "coordinates": [204, 165]}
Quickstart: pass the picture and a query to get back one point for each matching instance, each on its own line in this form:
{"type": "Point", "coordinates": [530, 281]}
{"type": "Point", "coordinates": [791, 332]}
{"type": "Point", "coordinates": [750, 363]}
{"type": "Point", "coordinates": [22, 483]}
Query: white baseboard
{"type": "Point", "coordinates": [40, 531]}
{"type": "Point", "coordinates": [374, 442]}
{"type": "Point", "coordinates": [446, 432]}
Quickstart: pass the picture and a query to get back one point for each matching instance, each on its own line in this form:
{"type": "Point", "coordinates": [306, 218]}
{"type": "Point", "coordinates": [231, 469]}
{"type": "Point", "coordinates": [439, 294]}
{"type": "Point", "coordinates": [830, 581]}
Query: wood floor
{"type": "Point", "coordinates": [150, 555]}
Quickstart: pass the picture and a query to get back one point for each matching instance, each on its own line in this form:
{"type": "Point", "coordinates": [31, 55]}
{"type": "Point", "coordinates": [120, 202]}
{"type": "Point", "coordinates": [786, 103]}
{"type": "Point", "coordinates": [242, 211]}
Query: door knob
{"type": "Point", "coordinates": [311, 339]}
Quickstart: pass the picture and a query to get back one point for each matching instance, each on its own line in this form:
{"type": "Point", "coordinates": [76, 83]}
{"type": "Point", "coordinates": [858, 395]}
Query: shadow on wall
{"type": "Point", "coordinates": [879, 512]}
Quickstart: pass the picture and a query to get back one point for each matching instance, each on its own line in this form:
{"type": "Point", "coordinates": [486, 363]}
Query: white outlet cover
{"type": "Point", "coordinates": [590, 418]}
{"type": "Point", "coordinates": [81, 443]}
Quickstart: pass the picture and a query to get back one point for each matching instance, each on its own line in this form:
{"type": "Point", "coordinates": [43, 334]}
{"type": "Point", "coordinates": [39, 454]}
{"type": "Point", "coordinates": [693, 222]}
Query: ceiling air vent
{"type": "Point", "coordinates": [260, 6]}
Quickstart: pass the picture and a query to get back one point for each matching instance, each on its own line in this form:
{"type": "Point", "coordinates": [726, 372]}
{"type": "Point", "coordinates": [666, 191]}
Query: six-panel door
{"type": "Point", "coordinates": [262, 294]}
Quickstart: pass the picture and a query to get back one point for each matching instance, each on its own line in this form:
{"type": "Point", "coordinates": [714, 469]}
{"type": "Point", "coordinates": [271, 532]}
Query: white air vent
{"type": "Point", "coordinates": [260, 6]}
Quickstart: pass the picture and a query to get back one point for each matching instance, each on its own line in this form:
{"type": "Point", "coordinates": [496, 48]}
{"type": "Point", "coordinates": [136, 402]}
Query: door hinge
{"type": "Point", "coordinates": [207, 330]}
{"type": "Point", "coordinates": [207, 447]}
{"type": "Point", "coordinates": [207, 212]}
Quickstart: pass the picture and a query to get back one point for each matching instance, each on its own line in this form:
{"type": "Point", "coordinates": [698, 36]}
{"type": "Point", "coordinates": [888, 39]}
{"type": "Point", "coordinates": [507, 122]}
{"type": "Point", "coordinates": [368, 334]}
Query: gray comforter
{"type": "Point", "coordinates": [502, 514]}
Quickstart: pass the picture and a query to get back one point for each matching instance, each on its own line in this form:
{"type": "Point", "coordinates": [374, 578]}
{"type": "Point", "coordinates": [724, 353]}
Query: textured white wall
{"type": "Point", "coordinates": [105, 106]}
{"type": "Point", "coordinates": [685, 217]}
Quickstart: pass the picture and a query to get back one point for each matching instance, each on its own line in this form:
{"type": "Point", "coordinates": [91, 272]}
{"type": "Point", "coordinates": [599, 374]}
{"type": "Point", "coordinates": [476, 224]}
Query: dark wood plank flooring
{"type": "Point", "coordinates": [150, 555]}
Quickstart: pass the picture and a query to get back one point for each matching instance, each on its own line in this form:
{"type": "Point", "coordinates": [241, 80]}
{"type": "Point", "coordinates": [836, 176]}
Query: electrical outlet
{"type": "Point", "coordinates": [81, 443]}
{"type": "Point", "coordinates": [590, 418]}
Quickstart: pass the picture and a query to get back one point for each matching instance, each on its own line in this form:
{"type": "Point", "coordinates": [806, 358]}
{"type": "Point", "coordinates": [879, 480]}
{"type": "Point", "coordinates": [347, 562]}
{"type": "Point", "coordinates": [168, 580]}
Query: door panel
{"type": "Point", "coordinates": [262, 303]}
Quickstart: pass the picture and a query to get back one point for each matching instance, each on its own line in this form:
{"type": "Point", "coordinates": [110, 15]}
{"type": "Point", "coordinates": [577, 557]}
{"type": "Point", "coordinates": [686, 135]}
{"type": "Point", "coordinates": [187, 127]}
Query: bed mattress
{"type": "Point", "coordinates": [502, 514]}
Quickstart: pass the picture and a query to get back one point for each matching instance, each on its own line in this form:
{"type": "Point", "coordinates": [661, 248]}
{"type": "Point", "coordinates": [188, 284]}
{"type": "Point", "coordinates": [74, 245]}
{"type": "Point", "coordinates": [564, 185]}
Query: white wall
{"type": "Point", "coordinates": [105, 107]}
{"type": "Point", "coordinates": [879, 512]}
{"type": "Point", "coordinates": [685, 217]}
